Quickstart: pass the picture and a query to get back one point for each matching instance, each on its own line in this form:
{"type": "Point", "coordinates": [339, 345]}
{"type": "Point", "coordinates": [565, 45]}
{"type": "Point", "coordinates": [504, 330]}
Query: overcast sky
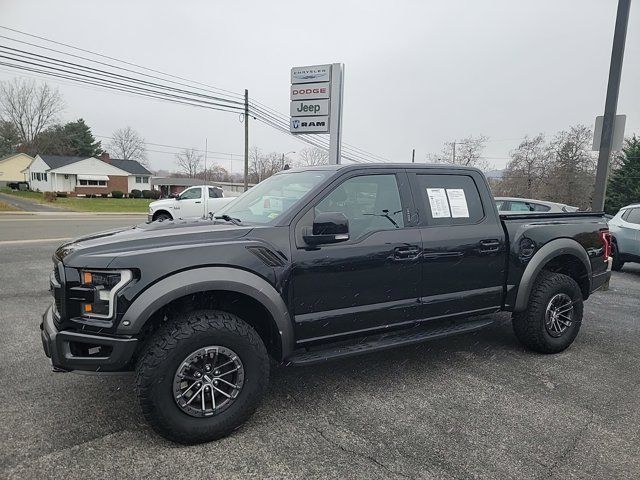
{"type": "Point", "coordinates": [417, 73]}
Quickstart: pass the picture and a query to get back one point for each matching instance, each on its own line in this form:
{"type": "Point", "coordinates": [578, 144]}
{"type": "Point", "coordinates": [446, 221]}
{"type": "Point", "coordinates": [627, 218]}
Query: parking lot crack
{"type": "Point", "coordinates": [571, 447]}
{"type": "Point", "coordinates": [364, 456]}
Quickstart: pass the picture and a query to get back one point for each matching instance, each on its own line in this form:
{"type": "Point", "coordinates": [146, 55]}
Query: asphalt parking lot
{"type": "Point", "coordinates": [474, 406]}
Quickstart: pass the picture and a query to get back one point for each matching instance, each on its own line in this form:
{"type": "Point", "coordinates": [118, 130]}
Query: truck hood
{"type": "Point", "coordinates": [165, 202]}
{"type": "Point", "coordinates": [98, 250]}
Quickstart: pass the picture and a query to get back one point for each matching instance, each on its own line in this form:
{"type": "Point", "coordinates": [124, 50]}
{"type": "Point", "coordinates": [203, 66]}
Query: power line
{"type": "Point", "coordinates": [356, 154]}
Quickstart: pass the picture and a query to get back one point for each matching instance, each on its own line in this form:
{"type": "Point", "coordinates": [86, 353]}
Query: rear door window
{"type": "Point", "coordinates": [450, 199]}
{"type": "Point", "coordinates": [633, 216]}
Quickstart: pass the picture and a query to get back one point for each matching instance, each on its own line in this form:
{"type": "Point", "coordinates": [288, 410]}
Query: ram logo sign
{"type": "Point", "coordinates": [318, 124]}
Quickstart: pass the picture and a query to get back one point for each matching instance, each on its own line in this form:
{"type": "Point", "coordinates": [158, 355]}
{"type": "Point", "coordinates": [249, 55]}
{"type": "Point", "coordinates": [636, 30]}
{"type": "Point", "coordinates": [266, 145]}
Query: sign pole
{"type": "Point", "coordinates": [335, 122]}
{"type": "Point", "coordinates": [246, 140]}
{"type": "Point", "coordinates": [611, 103]}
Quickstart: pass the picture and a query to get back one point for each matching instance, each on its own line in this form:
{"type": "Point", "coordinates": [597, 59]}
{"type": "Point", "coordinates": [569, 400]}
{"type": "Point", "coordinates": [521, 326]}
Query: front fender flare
{"type": "Point", "coordinates": [207, 279]}
{"type": "Point", "coordinates": [553, 249]}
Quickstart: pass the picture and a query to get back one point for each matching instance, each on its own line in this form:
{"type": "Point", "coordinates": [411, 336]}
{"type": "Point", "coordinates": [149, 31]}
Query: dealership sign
{"type": "Point", "coordinates": [316, 103]}
{"type": "Point", "coordinates": [313, 74]}
{"type": "Point", "coordinates": [310, 124]}
{"type": "Point", "coordinates": [310, 91]}
{"type": "Point", "coordinates": [304, 108]}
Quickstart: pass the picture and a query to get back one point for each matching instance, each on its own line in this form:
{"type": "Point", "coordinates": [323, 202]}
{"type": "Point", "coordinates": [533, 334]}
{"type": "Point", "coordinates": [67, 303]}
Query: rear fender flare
{"type": "Point", "coordinates": [209, 279]}
{"type": "Point", "coordinates": [553, 249]}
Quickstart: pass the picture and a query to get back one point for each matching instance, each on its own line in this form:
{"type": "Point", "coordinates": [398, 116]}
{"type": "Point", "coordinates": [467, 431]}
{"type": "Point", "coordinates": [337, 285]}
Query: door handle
{"type": "Point", "coordinates": [406, 253]}
{"type": "Point", "coordinates": [197, 201]}
{"type": "Point", "coordinates": [490, 245]}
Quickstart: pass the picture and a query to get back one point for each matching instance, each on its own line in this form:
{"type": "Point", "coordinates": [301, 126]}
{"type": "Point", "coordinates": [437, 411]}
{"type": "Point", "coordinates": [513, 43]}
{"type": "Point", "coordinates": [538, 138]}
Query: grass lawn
{"type": "Point", "coordinates": [81, 204]}
{"type": "Point", "coordinates": [5, 207]}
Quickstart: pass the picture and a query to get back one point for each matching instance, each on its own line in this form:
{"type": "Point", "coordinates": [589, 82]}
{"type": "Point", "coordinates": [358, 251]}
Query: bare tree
{"type": "Point", "coordinates": [310, 157]}
{"type": "Point", "coordinates": [526, 171]}
{"type": "Point", "coordinates": [29, 107]}
{"type": "Point", "coordinates": [570, 175]}
{"type": "Point", "coordinates": [468, 152]}
{"type": "Point", "coordinates": [216, 173]}
{"type": "Point", "coordinates": [189, 161]}
{"type": "Point", "coordinates": [127, 144]}
{"type": "Point", "coordinates": [262, 166]}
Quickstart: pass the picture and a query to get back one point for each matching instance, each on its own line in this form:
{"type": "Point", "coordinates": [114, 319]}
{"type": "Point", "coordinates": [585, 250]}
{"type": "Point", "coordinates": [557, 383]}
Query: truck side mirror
{"type": "Point", "coordinates": [328, 227]}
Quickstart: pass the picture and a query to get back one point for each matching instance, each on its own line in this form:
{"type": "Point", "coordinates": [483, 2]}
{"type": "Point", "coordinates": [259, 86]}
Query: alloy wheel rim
{"type": "Point", "coordinates": [559, 315]}
{"type": "Point", "coordinates": [208, 381]}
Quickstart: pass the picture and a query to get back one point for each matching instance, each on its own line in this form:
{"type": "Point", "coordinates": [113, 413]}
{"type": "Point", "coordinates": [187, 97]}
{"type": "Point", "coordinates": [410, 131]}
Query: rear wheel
{"type": "Point", "coordinates": [202, 376]}
{"type": "Point", "coordinates": [617, 263]}
{"type": "Point", "coordinates": [553, 316]}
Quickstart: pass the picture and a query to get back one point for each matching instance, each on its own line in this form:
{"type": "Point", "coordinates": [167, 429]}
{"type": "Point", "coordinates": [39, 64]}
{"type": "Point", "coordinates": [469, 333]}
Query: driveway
{"type": "Point", "coordinates": [27, 205]}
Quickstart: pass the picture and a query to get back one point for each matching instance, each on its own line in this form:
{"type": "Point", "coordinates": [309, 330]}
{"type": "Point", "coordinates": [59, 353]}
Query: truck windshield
{"type": "Point", "coordinates": [273, 197]}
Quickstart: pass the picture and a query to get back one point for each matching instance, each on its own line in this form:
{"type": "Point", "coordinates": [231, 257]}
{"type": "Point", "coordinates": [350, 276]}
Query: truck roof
{"type": "Point", "coordinates": [358, 166]}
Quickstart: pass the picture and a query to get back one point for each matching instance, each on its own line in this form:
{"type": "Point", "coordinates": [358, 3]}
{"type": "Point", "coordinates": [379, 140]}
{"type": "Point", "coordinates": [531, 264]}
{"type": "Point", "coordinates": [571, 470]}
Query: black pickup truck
{"type": "Point", "coordinates": [312, 265]}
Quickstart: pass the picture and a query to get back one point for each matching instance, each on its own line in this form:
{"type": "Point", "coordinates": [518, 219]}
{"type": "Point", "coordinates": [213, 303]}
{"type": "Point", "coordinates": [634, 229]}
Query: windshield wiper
{"type": "Point", "coordinates": [227, 218]}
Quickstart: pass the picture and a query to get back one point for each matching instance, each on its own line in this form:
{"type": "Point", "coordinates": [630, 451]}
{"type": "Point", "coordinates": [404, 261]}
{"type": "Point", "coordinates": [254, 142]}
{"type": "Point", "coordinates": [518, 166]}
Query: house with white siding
{"type": "Point", "coordinates": [82, 175]}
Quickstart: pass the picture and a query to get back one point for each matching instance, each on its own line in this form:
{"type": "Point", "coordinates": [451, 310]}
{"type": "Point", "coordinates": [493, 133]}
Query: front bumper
{"type": "Point", "coordinates": [69, 350]}
{"type": "Point", "coordinates": [149, 218]}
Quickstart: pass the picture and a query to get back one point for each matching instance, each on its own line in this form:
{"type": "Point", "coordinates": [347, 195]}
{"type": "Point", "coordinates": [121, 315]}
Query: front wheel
{"type": "Point", "coordinates": [162, 217]}
{"type": "Point", "coordinates": [553, 316]}
{"type": "Point", "coordinates": [202, 376]}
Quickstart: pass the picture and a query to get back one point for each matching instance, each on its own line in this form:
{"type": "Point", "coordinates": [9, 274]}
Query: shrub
{"type": "Point", "coordinates": [61, 194]}
{"type": "Point", "coordinates": [104, 195]}
{"type": "Point", "coordinates": [49, 196]}
{"type": "Point", "coordinates": [147, 193]}
{"type": "Point", "coordinates": [135, 193]}
{"type": "Point", "coordinates": [155, 194]}
{"type": "Point", "coordinates": [117, 194]}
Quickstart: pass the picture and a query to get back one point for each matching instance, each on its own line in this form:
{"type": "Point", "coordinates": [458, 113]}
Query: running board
{"type": "Point", "coordinates": [376, 343]}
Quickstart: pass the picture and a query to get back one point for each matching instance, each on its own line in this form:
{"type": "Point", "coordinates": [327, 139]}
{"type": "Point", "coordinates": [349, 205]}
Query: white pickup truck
{"type": "Point", "coordinates": [194, 202]}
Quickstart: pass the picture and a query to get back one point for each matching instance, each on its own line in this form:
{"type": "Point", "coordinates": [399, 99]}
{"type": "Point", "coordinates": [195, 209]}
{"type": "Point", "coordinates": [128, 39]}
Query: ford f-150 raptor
{"type": "Point", "coordinates": [311, 265]}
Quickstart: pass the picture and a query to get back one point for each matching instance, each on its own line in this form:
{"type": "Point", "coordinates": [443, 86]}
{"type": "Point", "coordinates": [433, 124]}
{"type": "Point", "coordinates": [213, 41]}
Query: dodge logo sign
{"type": "Point", "coordinates": [310, 91]}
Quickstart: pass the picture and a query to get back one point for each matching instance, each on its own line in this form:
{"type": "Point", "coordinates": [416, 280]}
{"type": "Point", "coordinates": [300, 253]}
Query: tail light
{"type": "Point", "coordinates": [605, 238]}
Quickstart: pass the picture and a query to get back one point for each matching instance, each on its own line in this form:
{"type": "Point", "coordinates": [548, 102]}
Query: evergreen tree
{"type": "Point", "coordinates": [80, 139]}
{"type": "Point", "coordinates": [73, 138]}
{"type": "Point", "coordinates": [9, 139]}
{"type": "Point", "coordinates": [624, 183]}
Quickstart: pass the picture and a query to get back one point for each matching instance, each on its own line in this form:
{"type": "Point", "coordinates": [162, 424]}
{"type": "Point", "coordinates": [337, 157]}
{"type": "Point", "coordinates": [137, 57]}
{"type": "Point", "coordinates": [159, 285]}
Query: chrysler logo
{"type": "Point", "coordinates": [308, 76]}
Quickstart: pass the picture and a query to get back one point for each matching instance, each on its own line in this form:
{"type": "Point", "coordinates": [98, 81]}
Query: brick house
{"type": "Point", "coordinates": [86, 176]}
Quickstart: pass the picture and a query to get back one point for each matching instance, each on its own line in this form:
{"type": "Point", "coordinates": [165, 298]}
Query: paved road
{"type": "Point", "coordinates": [475, 406]}
{"type": "Point", "coordinates": [27, 205]}
{"type": "Point", "coordinates": [35, 228]}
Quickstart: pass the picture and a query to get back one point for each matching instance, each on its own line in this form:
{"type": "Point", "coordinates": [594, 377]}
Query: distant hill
{"type": "Point", "coordinates": [497, 174]}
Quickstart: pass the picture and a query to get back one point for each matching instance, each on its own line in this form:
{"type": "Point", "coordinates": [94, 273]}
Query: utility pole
{"type": "Point", "coordinates": [206, 147]}
{"type": "Point", "coordinates": [454, 153]}
{"type": "Point", "coordinates": [611, 104]}
{"type": "Point", "coordinates": [413, 156]}
{"type": "Point", "coordinates": [246, 139]}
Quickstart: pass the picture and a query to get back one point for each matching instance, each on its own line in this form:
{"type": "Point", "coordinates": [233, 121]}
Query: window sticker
{"type": "Point", "coordinates": [458, 203]}
{"type": "Point", "coordinates": [439, 203]}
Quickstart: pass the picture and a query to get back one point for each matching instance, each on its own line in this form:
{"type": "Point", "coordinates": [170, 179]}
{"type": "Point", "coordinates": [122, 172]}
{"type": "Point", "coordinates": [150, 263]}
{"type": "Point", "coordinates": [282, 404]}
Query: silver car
{"type": "Point", "coordinates": [625, 233]}
{"type": "Point", "coordinates": [527, 205]}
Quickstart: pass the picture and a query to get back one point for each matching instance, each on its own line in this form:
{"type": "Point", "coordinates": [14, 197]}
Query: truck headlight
{"type": "Point", "coordinates": [105, 283]}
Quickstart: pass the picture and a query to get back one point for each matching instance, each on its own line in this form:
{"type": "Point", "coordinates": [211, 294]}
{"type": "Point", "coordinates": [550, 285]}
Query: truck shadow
{"type": "Point", "coordinates": [112, 406]}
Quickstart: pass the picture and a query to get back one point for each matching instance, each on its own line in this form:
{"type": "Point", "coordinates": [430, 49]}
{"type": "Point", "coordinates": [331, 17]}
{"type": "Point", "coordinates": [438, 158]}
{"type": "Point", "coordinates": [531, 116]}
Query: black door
{"type": "Point", "coordinates": [463, 243]}
{"type": "Point", "coordinates": [368, 282]}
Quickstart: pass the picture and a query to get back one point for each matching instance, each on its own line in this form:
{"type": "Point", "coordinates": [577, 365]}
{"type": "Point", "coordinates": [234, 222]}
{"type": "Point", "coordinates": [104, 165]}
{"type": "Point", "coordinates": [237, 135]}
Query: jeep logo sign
{"type": "Point", "coordinates": [310, 91]}
{"type": "Point", "coordinates": [310, 124]}
{"type": "Point", "coordinates": [304, 108]}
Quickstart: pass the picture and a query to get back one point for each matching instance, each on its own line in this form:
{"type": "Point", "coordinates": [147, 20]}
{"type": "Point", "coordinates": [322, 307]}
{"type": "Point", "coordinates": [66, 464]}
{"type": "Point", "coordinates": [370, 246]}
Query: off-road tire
{"type": "Point", "coordinates": [617, 263]}
{"type": "Point", "coordinates": [529, 325]}
{"type": "Point", "coordinates": [170, 346]}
